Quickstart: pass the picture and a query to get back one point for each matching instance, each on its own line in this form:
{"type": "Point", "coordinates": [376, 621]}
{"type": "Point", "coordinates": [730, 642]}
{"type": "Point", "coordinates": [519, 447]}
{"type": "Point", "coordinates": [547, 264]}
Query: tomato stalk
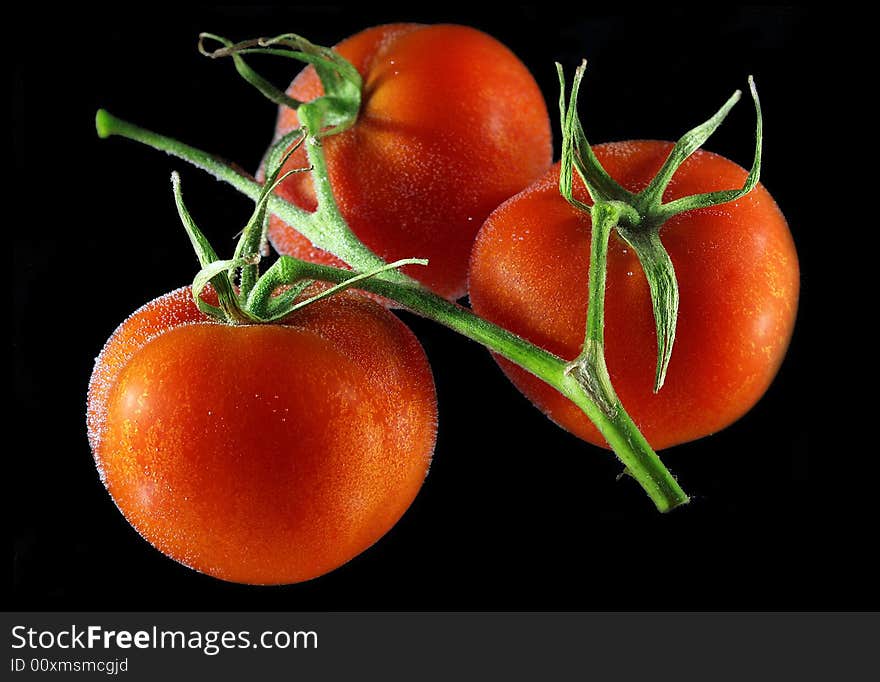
{"type": "Point", "coordinates": [589, 371]}
{"type": "Point", "coordinates": [619, 430]}
{"type": "Point", "coordinates": [636, 217]}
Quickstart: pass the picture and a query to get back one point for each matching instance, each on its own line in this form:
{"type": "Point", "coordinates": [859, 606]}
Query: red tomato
{"type": "Point", "coordinates": [738, 276]}
{"type": "Point", "coordinates": [262, 454]}
{"type": "Point", "coordinates": [451, 124]}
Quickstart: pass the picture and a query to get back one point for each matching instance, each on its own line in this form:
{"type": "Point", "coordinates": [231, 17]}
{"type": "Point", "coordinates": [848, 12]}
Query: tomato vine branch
{"type": "Point", "coordinates": [332, 238]}
{"type": "Point", "coordinates": [619, 430]}
{"type": "Point", "coordinates": [589, 368]}
{"type": "Point", "coordinates": [636, 217]}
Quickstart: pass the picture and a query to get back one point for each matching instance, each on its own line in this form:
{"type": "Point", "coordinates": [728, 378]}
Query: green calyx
{"type": "Point", "coordinates": [638, 219]}
{"type": "Point", "coordinates": [245, 296]}
{"type": "Point", "coordinates": [256, 298]}
{"type": "Point", "coordinates": [332, 113]}
{"type": "Point", "coordinates": [335, 111]}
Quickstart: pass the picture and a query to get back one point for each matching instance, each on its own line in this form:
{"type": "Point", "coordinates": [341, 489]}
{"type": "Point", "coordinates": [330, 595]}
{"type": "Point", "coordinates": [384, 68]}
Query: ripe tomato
{"type": "Point", "coordinates": [451, 124]}
{"type": "Point", "coordinates": [738, 276]}
{"type": "Point", "coordinates": [262, 454]}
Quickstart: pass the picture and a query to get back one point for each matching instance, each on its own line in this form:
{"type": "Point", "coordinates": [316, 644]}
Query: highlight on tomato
{"type": "Point", "coordinates": [450, 124]}
{"type": "Point", "coordinates": [736, 269]}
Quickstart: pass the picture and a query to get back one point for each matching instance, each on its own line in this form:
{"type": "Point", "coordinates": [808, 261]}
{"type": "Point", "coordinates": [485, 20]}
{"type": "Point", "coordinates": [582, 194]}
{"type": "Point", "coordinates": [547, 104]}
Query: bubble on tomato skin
{"type": "Point", "coordinates": [102, 473]}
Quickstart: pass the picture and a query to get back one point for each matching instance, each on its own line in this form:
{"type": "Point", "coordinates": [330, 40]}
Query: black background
{"type": "Point", "coordinates": [516, 513]}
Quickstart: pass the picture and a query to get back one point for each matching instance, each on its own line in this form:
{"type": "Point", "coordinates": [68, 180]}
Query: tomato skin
{"type": "Point", "coordinates": [451, 124]}
{"type": "Point", "coordinates": [262, 454]}
{"type": "Point", "coordinates": [738, 277]}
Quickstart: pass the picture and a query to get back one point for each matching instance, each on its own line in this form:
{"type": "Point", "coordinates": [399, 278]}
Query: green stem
{"type": "Point", "coordinates": [604, 219]}
{"type": "Point", "coordinates": [589, 368]}
{"type": "Point", "coordinates": [633, 450]}
{"type": "Point", "coordinates": [321, 227]}
{"type": "Point", "coordinates": [334, 238]}
{"type": "Point", "coordinates": [618, 429]}
{"type": "Point", "coordinates": [108, 125]}
{"type": "Point", "coordinates": [250, 244]}
{"type": "Point", "coordinates": [320, 175]}
{"type": "Point", "coordinates": [589, 373]}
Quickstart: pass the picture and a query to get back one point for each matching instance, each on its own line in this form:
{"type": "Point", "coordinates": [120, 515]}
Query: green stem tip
{"type": "Point", "coordinates": [104, 123]}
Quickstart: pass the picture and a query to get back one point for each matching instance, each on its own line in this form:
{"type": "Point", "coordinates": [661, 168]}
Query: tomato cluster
{"type": "Point", "coordinates": [274, 453]}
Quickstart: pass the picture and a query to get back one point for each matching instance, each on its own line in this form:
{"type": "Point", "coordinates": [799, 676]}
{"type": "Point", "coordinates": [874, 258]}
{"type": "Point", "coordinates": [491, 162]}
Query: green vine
{"type": "Point", "coordinates": [246, 296]}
